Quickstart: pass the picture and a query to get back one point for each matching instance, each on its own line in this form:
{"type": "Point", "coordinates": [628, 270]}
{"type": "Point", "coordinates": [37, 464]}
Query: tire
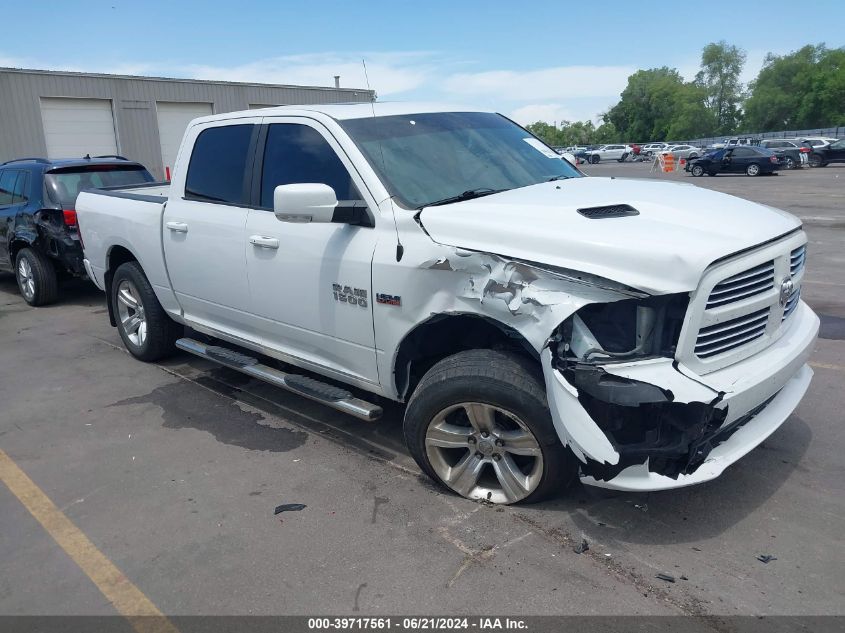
{"type": "Point", "coordinates": [594, 159]}
{"type": "Point", "coordinates": [147, 332]}
{"type": "Point", "coordinates": [789, 163]}
{"type": "Point", "coordinates": [485, 391]}
{"type": "Point", "coordinates": [697, 170]}
{"type": "Point", "coordinates": [815, 160]}
{"type": "Point", "coordinates": [753, 170]}
{"type": "Point", "coordinates": [36, 276]}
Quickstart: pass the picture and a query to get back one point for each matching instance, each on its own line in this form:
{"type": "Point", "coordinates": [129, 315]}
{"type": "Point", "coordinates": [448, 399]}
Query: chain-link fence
{"type": "Point", "coordinates": [829, 132]}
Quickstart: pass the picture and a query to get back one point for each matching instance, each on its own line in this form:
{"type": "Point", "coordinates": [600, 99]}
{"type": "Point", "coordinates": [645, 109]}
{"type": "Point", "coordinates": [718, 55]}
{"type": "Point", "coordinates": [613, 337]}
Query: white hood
{"type": "Point", "coordinates": [680, 230]}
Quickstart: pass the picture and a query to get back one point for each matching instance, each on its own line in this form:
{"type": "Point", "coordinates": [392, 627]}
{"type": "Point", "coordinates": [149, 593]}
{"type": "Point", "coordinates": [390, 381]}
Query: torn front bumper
{"type": "Point", "coordinates": [711, 421]}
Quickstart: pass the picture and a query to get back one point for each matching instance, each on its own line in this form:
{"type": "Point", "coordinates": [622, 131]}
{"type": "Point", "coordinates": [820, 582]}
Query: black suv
{"type": "Point", "coordinates": [823, 155]}
{"type": "Point", "coordinates": [39, 235]}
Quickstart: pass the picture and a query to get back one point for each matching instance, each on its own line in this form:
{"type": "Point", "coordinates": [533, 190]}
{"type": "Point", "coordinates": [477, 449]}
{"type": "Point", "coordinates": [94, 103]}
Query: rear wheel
{"type": "Point", "coordinates": [753, 170]}
{"type": "Point", "coordinates": [594, 159]}
{"type": "Point", "coordinates": [479, 424]}
{"type": "Point", "coordinates": [789, 163]}
{"type": "Point", "coordinates": [816, 160]}
{"type": "Point", "coordinates": [36, 277]}
{"type": "Point", "coordinates": [147, 332]}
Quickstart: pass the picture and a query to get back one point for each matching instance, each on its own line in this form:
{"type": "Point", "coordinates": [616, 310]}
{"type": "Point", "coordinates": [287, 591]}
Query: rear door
{"type": "Point", "coordinates": [311, 284]}
{"type": "Point", "coordinates": [204, 223]}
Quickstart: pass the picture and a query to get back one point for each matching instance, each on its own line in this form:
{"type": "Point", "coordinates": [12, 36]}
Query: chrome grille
{"type": "Point", "coordinates": [725, 336]}
{"type": "Point", "coordinates": [791, 304]}
{"type": "Point", "coordinates": [796, 260]}
{"type": "Point", "coordinates": [743, 285]}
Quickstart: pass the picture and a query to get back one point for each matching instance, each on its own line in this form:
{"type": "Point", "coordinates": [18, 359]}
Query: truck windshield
{"type": "Point", "coordinates": [65, 184]}
{"type": "Point", "coordinates": [424, 159]}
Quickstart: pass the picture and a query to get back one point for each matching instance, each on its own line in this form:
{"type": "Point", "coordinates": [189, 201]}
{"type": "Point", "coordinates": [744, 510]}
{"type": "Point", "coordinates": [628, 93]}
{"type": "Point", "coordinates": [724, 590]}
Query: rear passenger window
{"type": "Point", "coordinates": [298, 154]}
{"type": "Point", "coordinates": [218, 165]}
{"type": "Point", "coordinates": [20, 192]}
{"type": "Point", "coordinates": [7, 186]}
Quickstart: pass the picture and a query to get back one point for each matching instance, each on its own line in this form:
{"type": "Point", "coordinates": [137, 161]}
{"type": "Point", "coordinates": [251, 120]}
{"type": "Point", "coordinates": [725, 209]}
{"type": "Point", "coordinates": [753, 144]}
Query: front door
{"type": "Point", "coordinates": [204, 226]}
{"type": "Point", "coordinates": [311, 283]}
{"type": "Point", "coordinates": [14, 192]}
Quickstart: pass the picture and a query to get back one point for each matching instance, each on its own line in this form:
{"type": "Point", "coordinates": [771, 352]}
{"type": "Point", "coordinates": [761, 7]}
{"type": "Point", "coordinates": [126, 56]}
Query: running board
{"type": "Point", "coordinates": [326, 394]}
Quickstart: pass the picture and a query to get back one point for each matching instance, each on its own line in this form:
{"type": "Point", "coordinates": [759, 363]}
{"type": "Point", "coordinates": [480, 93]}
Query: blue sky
{"type": "Point", "coordinates": [530, 60]}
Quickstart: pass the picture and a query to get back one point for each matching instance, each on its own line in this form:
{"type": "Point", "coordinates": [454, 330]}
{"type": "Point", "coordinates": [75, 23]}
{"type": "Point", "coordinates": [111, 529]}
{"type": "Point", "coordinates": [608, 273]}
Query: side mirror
{"type": "Point", "coordinates": [305, 202]}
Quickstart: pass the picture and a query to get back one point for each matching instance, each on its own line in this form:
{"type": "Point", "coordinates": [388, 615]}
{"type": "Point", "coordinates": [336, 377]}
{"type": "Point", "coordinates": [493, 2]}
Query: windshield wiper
{"type": "Point", "coordinates": [561, 177]}
{"type": "Point", "coordinates": [469, 194]}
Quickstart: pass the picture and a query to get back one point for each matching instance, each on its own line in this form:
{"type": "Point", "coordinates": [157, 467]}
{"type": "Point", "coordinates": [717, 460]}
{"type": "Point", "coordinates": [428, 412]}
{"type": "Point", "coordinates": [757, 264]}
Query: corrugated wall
{"type": "Point", "coordinates": [134, 106]}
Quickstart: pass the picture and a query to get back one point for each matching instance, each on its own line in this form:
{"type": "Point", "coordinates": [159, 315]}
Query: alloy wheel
{"type": "Point", "coordinates": [484, 452]}
{"type": "Point", "coordinates": [130, 311]}
{"type": "Point", "coordinates": [26, 279]}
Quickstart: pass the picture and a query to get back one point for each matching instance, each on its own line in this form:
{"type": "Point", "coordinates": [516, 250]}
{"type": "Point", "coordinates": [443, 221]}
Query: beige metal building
{"type": "Point", "coordinates": [67, 114]}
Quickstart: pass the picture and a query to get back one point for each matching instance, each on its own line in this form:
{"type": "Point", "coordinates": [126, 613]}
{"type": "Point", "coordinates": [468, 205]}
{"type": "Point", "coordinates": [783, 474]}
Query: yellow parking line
{"type": "Point", "coordinates": [142, 614]}
{"type": "Point", "coordinates": [827, 366]}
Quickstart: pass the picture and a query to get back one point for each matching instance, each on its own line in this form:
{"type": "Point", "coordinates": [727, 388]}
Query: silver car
{"type": "Point", "coordinates": [688, 152]}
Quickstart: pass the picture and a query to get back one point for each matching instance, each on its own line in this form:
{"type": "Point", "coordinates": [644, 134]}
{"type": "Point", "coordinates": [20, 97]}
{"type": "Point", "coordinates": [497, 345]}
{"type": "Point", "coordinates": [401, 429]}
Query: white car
{"type": "Point", "coordinates": [688, 152]}
{"type": "Point", "coordinates": [650, 149]}
{"type": "Point", "coordinates": [609, 152]}
{"type": "Point", "coordinates": [538, 324]}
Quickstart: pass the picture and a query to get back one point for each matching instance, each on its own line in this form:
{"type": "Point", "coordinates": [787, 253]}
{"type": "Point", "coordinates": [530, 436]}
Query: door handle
{"type": "Point", "coordinates": [177, 227]}
{"type": "Point", "coordinates": [264, 242]}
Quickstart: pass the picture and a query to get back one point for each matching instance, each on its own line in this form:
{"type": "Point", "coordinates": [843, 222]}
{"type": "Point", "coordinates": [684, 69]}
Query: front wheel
{"type": "Point", "coordinates": [753, 170]}
{"type": "Point", "coordinates": [479, 424]}
{"type": "Point", "coordinates": [147, 332]}
{"type": "Point", "coordinates": [697, 170]}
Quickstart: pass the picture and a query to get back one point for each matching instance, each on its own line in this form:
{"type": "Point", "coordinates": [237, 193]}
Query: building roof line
{"type": "Point", "coordinates": [73, 73]}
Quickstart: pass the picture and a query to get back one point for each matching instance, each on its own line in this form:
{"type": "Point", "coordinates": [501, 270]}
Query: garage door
{"type": "Point", "coordinates": [173, 119]}
{"type": "Point", "coordinates": [76, 127]}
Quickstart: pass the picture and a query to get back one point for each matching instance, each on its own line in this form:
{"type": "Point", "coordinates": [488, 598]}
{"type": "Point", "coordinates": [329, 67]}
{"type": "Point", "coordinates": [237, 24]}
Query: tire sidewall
{"type": "Point", "coordinates": [697, 170]}
{"type": "Point", "coordinates": [429, 400]}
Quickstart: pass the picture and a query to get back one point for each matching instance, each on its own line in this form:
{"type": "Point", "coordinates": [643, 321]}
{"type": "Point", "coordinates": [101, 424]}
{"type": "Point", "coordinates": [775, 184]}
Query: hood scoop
{"type": "Point", "coordinates": [611, 211]}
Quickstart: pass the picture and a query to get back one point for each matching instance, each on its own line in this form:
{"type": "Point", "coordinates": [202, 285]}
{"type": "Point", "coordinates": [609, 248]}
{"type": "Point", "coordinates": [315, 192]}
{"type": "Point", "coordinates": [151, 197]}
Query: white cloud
{"type": "Point", "coordinates": [549, 112]}
{"type": "Point", "coordinates": [389, 73]}
{"type": "Point", "coordinates": [561, 82]}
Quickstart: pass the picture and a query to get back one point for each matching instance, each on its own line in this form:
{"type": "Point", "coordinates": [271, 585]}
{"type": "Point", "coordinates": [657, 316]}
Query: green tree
{"type": "Point", "coordinates": [721, 66]}
{"type": "Point", "coordinates": [647, 105]}
{"type": "Point", "coordinates": [803, 89]}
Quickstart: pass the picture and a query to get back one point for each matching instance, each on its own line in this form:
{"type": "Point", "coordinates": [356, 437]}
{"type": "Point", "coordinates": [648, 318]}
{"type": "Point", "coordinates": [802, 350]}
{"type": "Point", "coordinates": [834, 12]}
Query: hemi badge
{"type": "Point", "coordinates": [391, 300]}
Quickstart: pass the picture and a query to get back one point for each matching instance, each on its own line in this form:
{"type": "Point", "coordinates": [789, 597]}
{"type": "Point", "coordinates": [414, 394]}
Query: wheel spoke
{"type": "Point", "coordinates": [481, 416]}
{"type": "Point", "coordinates": [520, 442]}
{"type": "Point", "coordinates": [514, 483]}
{"type": "Point", "coordinates": [126, 298]}
{"type": "Point", "coordinates": [447, 435]}
{"type": "Point", "coordinates": [131, 324]}
{"type": "Point", "coordinates": [464, 475]}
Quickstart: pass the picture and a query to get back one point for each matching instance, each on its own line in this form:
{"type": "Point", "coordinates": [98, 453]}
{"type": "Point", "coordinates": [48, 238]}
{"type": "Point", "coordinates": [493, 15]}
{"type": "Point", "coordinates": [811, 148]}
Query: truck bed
{"type": "Point", "coordinates": [126, 218]}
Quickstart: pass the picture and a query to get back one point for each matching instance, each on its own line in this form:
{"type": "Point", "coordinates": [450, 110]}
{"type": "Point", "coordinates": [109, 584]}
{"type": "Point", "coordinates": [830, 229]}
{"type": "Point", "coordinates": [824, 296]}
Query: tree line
{"type": "Point", "coordinates": [804, 89]}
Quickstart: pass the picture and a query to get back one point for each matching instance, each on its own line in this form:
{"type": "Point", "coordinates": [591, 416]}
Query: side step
{"type": "Point", "coordinates": [329, 395]}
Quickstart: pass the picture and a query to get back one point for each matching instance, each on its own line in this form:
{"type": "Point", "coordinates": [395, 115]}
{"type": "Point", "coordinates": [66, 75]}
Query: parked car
{"type": "Point", "coordinates": [39, 235]}
{"type": "Point", "coordinates": [608, 152]}
{"type": "Point", "coordinates": [444, 260]}
{"type": "Point", "coordinates": [746, 159]}
{"type": "Point", "coordinates": [791, 154]}
{"type": "Point", "coordinates": [824, 155]}
{"type": "Point", "coordinates": [650, 149]}
{"type": "Point", "coordinates": [816, 141]}
{"type": "Point", "coordinates": [689, 152]}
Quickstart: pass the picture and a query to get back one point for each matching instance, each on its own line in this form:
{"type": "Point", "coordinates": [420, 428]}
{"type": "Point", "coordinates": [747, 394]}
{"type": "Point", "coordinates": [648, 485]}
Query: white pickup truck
{"type": "Point", "coordinates": [539, 324]}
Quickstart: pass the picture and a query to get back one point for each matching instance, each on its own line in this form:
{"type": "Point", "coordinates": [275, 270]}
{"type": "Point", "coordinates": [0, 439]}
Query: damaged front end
{"type": "Point", "coordinates": [614, 363]}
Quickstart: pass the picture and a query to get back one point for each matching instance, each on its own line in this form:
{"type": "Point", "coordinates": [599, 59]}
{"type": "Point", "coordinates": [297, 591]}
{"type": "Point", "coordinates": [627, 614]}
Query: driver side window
{"type": "Point", "coordinates": [297, 153]}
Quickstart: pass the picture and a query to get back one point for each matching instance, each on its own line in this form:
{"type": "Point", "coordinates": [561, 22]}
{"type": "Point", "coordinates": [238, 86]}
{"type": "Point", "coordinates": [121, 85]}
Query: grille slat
{"type": "Point", "coordinates": [791, 304]}
{"type": "Point", "coordinates": [796, 259]}
{"type": "Point", "coordinates": [743, 285]}
{"type": "Point", "coordinates": [722, 337]}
